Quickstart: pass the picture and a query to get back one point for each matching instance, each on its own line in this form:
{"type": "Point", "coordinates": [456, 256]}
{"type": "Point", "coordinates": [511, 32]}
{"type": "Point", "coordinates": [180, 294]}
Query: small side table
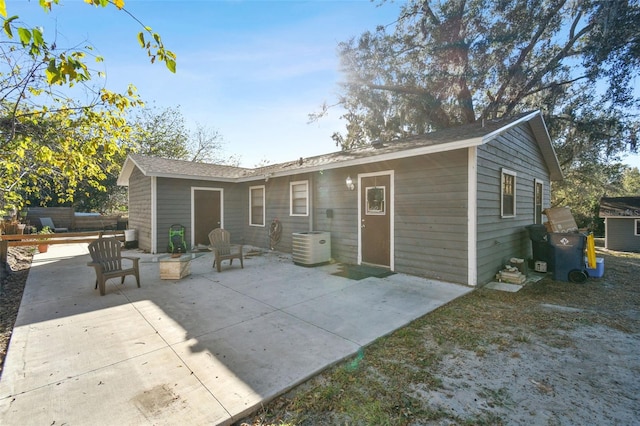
{"type": "Point", "coordinates": [175, 268]}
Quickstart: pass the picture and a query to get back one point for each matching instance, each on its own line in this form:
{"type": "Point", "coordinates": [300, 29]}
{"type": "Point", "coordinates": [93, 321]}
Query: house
{"type": "Point", "coordinates": [450, 205]}
{"type": "Point", "coordinates": [621, 223]}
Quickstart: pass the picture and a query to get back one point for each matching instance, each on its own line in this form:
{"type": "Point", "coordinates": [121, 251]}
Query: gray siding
{"type": "Point", "coordinates": [620, 234]}
{"type": "Point", "coordinates": [430, 213]}
{"type": "Point", "coordinates": [140, 208]}
{"type": "Point", "coordinates": [277, 200]}
{"type": "Point", "coordinates": [174, 207]}
{"type": "Point", "coordinates": [332, 198]}
{"type": "Point", "coordinates": [500, 239]}
{"type": "Point", "coordinates": [431, 216]}
{"type": "Point", "coordinates": [327, 192]}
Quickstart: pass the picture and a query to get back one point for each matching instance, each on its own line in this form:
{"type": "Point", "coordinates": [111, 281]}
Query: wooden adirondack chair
{"type": "Point", "coordinates": [220, 240]}
{"type": "Point", "coordinates": [107, 261]}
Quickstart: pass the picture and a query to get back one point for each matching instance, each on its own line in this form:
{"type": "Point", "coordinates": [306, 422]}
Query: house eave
{"type": "Point", "coordinates": [193, 177]}
{"type": "Point", "coordinates": [125, 173]}
{"type": "Point", "coordinates": [130, 164]}
{"type": "Point", "coordinates": [432, 149]}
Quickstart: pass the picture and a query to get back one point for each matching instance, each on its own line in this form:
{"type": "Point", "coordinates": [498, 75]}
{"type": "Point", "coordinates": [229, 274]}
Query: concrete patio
{"type": "Point", "coordinates": [206, 349]}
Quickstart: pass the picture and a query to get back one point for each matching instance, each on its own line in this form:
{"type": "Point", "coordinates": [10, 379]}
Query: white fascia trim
{"type": "Point", "coordinates": [511, 125]}
{"type": "Point", "coordinates": [192, 177]}
{"type": "Point", "coordinates": [154, 215]}
{"type": "Point", "coordinates": [127, 169]}
{"type": "Point", "coordinates": [432, 149]}
{"type": "Point", "coordinates": [472, 217]}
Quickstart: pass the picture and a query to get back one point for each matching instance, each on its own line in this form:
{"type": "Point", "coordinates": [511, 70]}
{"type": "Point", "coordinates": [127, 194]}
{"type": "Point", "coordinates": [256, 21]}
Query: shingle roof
{"type": "Point", "coordinates": [155, 166]}
{"type": "Point", "coordinates": [444, 140]}
{"type": "Point", "coordinates": [620, 207]}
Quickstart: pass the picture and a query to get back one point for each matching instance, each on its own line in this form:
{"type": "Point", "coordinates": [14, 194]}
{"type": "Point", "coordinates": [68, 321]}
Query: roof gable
{"type": "Point", "coordinates": [466, 136]}
{"type": "Point", "coordinates": [619, 207]}
{"type": "Point", "coordinates": [179, 169]}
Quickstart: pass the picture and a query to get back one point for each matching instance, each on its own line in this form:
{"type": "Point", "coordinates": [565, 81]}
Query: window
{"type": "Point", "coordinates": [256, 205]}
{"type": "Point", "coordinates": [508, 199]}
{"type": "Point", "coordinates": [299, 194]}
{"type": "Point", "coordinates": [538, 191]}
{"type": "Point", "coordinates": [637, 227]}
{"type": "Point", "coordinates": [375, 200]}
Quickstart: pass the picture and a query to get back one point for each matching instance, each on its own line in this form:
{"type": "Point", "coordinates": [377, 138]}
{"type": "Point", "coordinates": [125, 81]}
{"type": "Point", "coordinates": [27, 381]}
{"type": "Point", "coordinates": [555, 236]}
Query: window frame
{"type": "Point", "coordinates": [306, 198]}
{"type": "Point", "coordinates": [383, 202]}
{"type": "Point", "coordinates": [514, 175]}
{"type": "Point", "coordinates": [537, 215]}
{"type": "Point", "coordinates": [252, 206]}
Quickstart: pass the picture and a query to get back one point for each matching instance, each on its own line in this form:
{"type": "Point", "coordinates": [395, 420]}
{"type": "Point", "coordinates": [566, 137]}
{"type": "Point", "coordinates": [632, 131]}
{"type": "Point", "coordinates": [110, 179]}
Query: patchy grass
{"type": "Point", "coordinates": [388, 383]}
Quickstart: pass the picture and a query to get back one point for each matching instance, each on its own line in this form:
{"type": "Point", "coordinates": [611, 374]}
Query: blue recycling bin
{"type": "Point", "coordinates": [567, 251]}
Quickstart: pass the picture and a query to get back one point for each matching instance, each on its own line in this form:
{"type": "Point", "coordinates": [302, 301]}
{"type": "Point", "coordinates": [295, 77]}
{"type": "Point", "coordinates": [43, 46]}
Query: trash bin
{"type": "Point", "coordinates": [568, 256]}
{"type": "Point", "coordinates": [130, 240]}
{"type": "Point", "coordinates": [540, 245]}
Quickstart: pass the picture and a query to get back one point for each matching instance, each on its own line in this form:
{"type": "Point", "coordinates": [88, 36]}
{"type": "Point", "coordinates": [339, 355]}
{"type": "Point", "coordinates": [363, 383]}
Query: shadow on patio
{"type": "Point", "coordinates": [206, 349]}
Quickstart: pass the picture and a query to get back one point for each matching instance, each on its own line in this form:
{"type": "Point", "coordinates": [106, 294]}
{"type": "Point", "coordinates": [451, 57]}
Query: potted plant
{"type": "Point", "coordinates": [42, 243]}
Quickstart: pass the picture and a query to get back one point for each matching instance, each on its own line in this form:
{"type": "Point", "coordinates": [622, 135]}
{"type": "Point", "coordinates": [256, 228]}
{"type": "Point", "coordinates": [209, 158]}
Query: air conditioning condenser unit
{"type": "Point", "coordinates": [311, 248]}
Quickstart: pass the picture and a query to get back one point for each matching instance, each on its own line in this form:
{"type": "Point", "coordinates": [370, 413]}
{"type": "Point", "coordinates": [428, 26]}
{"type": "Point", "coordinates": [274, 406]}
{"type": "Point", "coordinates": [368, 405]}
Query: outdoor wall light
{"type": "Point", "coordinates": [349, 183]}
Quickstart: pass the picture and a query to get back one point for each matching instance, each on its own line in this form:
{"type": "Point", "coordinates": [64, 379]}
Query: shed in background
{"type": "Point", "coordinates": [621, 223]}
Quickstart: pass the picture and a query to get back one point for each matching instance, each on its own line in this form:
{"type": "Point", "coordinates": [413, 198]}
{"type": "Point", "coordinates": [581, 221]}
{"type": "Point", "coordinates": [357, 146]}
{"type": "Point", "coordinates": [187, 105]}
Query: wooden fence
{"type": "Point", "coordinates": [65, 217]}
{"type": "Point", "coordinates": [60, 238]}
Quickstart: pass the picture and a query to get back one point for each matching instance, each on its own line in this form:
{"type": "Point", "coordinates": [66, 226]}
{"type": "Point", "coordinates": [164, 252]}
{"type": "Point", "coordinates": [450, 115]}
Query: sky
{"type": "Point", "coordinates": [251, 70]}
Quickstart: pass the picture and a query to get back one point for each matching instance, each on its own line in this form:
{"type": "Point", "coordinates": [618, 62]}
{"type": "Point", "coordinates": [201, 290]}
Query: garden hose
{"type": "Point", "coordinates": [275, 232]}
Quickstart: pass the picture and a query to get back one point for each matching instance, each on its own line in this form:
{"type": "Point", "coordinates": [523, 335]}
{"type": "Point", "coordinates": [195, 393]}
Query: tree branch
{"type": "Point", "coordinates": [554, 84]}
{"type": "Point", "coordinates": [524, 53]}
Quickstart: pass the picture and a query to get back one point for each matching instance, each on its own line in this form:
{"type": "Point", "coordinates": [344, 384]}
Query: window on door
{"type": "Point", "coordinates": [538, 192]}
{"type": "Point", "coordinates": [299, 196]}
{"type": "Point", "coordinates": [508, 199]}
{"type": "Point", "coordinates": [376, 200]}
{"type": "Point", "coordinates": [256, 205]}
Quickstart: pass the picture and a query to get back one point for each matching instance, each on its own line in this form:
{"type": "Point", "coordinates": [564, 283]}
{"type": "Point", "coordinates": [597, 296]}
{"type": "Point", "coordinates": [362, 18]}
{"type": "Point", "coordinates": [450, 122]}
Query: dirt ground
{"type": "Point", "coordinates": [554, 353]}
{"type": "Point", "coordinates": [11, 288]}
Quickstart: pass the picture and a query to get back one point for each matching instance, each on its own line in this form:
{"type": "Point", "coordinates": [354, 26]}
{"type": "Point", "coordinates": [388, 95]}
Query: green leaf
{"type": "Point", "coordinates": [38, 39]}
{"type": "Point", "coordinates": [141, 39]}
{"type": "Point", "coordinates": [25, 36]}
{"type": "Point", "coordinates": [171, 64]}
{"type": "Point", "coordinates": [53, 73]}
{"type": "Point", "coordinates": [7, 29]}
